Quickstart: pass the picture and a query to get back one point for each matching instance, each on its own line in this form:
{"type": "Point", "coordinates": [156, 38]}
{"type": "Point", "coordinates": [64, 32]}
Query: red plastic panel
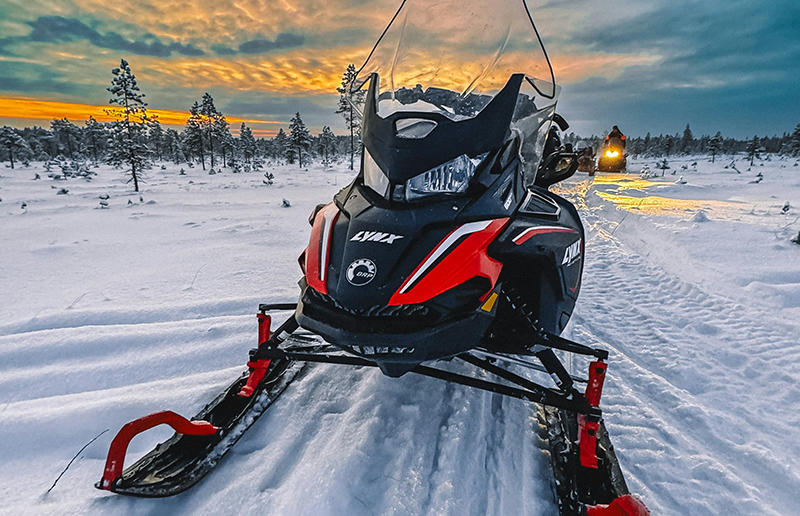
{"type": "Point", "coordinates": [319, 248]}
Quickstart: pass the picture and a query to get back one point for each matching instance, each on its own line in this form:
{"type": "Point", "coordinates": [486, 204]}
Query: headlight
{"type": "Point", "coordinates": [448, 178]}
{"type": "Point", "coordinates": [374, 176]}
{"type": "Point", "coordinates": [612, 153]}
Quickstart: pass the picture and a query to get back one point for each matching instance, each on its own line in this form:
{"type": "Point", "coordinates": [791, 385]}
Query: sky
{"type": "Point", "coordinates": [645, 65]}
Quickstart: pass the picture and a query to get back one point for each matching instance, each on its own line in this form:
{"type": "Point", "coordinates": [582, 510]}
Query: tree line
{"type": "Point", "coordinates": [135, 139]}
{"type": "Point", "coordinates": [666, 145]}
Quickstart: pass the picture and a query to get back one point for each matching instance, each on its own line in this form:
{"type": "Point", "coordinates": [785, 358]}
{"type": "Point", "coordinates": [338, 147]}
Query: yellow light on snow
{"type": "Point", "coordinates": [612, 153]}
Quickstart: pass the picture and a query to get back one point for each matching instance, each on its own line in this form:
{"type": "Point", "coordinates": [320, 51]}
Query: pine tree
{"type": "Point", "coordinates": [226, 143]}
{"type": "Point", "coordinates": [280, 144]}
{"type": "Point", "coordinates": [299, 138]}
{"type": "Point", "coordinates": [714, 145]}
{"type": "Point", "coordinates": [66, 135]}
{"type": "Point", "coordinates": [327, 145]}
{"type": "Point", "coordinates": [247, 143]}
{"type": "Point", "coordinates": [687, 140]}
{"type": "Point", "coordinates": [95, 137]}
{"type": "Point", "coordinates": [753, 147]}
{"type": "Point", "coordinates": [128, 131]}
{"type": "Point", "coordinates": [209, 119]}
{"type": "Point", "coordinates": [156, 137]}
{"type": "Point", "coordinates": [14, 144]}
{"type": "Point", "coordinates": [193, 134]}
{"type": "Point", "coordinates": [794, 142]}
{"type": "Point", "coordinates": [348, 101]}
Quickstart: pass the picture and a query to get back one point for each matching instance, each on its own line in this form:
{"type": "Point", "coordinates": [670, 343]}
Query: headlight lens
{"type": "Point", "coordinates": [374, 176]}
{"type": "Point", "coordinates": [612, 153]}
{"type": "Point", "coordinates": [448, 178]}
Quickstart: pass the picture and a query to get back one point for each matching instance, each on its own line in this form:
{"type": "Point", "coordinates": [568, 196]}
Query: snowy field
{"type": "Point", "coordinates": [107, 314]}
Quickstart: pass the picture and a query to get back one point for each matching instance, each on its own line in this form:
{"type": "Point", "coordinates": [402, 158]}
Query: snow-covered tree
{"type": "Point", "coordinates": [95, 138]}
{"type": "Point", "coordinates": [299, 139]}
{"type": "Point", "coordinates": [280, 144]}
{"type": "Point", "coordinates": [753, 147]}
{"type": "Point", "coordinates": [128, 131]}
{"type": "Point", "coordinates": [327, 145]}
{"type": "Point", "coordinates": [794, 142]}
{"type": "Point", "coordinates": [156, 138]}
{"type": "Point", "coordinates": [193, 134]}
{"type": "Point", "coordinates": [14, 144]}
{"type": "Point", "coordinates": [247, 143]}
{"type": "Point", "coordinates": [714, 145]}
{"type": "Point", "coordinates": [346, 108]}
{"type": "Point", "coordinates": [66, 136]}
{"type": "Point", "coordinates": [687, 140]}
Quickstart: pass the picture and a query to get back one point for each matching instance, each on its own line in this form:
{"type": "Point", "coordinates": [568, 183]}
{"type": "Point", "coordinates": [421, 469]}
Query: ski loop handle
{"type": "Point", "coordinates": [119, 446]}
{"type": "Point", "coordinates": [626, 505]}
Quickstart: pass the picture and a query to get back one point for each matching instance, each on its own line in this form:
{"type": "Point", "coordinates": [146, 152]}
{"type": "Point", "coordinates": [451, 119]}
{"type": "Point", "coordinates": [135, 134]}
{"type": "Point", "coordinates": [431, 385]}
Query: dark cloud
{"type": "Point", "coordinates": [283, 40]}
{"type": "Point", "coordinates": [724, 64]}
{"type": "Point", "coordinates": [57, 29]}
{"type": "Point", "coordinates": [262, 46]}
{"type": "Point", "coordinates": [6, 42]}
{"type": "Point", "coordinates": [48, 85]}
{"type": "Point", "coordinates": [222, 50]}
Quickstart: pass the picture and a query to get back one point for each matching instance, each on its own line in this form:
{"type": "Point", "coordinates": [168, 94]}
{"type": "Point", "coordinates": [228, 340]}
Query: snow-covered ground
{"type": "Point", "coordinates": [109, 314]}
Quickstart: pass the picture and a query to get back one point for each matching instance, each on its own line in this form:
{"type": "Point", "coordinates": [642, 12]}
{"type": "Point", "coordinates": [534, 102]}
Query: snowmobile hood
{"type": "Point", "coordinates": [370, 258]}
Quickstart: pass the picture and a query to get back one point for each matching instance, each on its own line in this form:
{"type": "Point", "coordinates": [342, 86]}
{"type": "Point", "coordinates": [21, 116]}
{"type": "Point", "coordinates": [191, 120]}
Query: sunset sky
{"type": "Point", "coordinates": [652, 65]}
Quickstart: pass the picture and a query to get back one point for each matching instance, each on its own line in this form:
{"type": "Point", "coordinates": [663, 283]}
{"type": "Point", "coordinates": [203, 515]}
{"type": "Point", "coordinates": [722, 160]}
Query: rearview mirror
{"type": "Point", "coordinates": [556, 167]}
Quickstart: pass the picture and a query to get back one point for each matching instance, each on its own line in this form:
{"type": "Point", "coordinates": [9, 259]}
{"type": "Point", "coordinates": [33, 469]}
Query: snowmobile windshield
{"type": "Point", "coordinates": [453, 56]}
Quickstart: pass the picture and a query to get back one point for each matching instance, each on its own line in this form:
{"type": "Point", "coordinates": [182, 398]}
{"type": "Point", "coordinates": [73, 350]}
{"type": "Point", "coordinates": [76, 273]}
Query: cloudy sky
{"type": "Point", "coordinates": [645, 65]}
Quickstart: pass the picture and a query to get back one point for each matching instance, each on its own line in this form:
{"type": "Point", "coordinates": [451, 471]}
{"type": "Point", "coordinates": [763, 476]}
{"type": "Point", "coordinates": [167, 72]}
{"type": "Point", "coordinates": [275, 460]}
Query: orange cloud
{"type": "Point", "coordinates": [24, 108]}
{"type": "Point", "coordinates": [303, 72]}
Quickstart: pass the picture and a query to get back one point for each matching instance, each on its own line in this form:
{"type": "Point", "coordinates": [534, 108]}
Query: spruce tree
{"type": "Point", "coordinates": [193, 134]}
{"type": "Point", "coordinates": [794, 142]}
{"type": "Point", "coordinates": [128, 131]}
{"type": "Point", "coordinates": [347, 108]}
{"type": "Point", "coordinates": [327, 142]}
{"type": "Point", "coordinates": [14, 144]}
{"type": "Point", "coordinates": [753, 148]}
{"type": "Point", "coordinates": [714, 145]}
{"type": "Point", "coordinates": [687, 140]}
{"type": "Point", "coordinates": [299, 138]}
{"type": "Point", "coordinates": [280, 143]}
{"type": "Point", "coordinates": [247, 143]}
{"type": "Point", "coordinates": [95, 137]}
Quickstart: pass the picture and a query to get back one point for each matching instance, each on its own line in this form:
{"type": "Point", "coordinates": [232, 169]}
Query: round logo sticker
{"type": "Point", "coordinates": [361, 272]}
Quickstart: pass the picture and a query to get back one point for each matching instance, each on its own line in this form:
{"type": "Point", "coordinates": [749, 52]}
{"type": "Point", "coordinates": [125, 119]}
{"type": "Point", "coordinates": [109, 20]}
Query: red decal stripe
{"type": "Point", "coordinates": [529, 233]}
{"type": "Point", "coordinates": [465, 261]}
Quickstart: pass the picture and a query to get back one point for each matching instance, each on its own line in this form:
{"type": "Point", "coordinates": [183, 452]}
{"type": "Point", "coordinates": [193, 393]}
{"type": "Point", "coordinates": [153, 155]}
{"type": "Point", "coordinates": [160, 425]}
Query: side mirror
{"type": "Point", "coordinates": [558, 166]}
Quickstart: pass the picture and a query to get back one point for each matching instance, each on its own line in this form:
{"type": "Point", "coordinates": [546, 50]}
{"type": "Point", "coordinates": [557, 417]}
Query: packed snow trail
{"type": "Point", "coordinates": [702, 391]}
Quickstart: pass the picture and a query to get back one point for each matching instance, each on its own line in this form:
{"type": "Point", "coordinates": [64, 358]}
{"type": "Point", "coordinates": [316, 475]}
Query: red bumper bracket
{"type": "Point", "coordinates": [258, 368]}
{"type": "Point", "coordinates": [587, 429]}
{"type": "Point", "coordinates": [119, 446]}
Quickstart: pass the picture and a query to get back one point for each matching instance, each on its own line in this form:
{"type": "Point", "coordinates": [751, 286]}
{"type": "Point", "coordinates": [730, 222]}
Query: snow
{"type": "Point", "coordinates": [107, 314]}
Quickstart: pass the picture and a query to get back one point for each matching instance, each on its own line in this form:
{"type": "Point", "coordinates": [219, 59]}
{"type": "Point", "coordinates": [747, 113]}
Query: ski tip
{"type": "Point", "coordinates": [626, 505]}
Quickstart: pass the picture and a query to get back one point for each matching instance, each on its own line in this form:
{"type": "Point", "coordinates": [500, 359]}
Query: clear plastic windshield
{"type": "Point", "coordinates": [452, 56]}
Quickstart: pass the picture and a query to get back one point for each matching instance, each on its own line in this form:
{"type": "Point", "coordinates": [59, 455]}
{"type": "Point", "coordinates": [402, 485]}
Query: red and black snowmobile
{"type": "Point", "coordinates": [447, 246]}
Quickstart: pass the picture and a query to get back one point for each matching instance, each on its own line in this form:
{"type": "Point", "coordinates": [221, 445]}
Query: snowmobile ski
{"type": "Point", "coordinates": [194, 450]}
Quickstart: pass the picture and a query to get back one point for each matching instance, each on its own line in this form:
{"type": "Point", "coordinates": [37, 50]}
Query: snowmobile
{"type": "Point", "coordinates": [447, 249]}
{"type": "Point", "coordinates": [612, 157]}
{"type": "Point", "coordinates": [586, 161]}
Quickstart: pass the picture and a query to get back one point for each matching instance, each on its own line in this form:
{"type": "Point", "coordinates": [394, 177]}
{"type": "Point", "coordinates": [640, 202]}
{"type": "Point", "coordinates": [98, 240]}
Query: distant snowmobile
{"type": "Point", "coordinates": [447, 245]}
{"type": "Point", "coordinates": [612, 156]}
{"type": "Point", "coordinates": [586, 161]}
